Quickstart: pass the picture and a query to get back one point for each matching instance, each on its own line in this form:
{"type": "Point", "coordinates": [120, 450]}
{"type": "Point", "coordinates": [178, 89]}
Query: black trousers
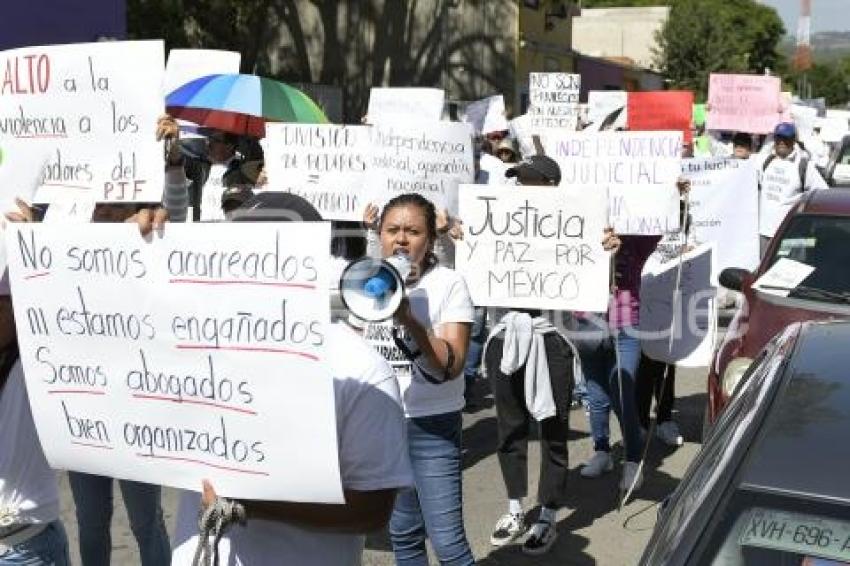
{"type": "Point", "coordinates": [649, 384]}
{"type": "Point", "coordinates": [514, 422]}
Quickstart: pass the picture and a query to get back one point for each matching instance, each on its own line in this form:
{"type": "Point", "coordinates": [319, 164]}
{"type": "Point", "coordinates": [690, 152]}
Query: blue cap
{"type": "Point", "coordinates": [785, 130]}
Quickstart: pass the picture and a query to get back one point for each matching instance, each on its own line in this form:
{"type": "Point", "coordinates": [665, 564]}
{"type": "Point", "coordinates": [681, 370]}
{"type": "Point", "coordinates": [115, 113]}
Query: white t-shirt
{"type": "Point", "coordinates": [28, 487]}
{"type": "Point", "coordinates": [438, 297]}
{"type": "Point", "coordinates": [372, 456]}
{"type": "Point", "coordinates": [781, 188]}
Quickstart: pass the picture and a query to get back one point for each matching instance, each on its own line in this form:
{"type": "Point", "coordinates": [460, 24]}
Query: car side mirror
{"type": "Point", "coordinates": [733, 278]}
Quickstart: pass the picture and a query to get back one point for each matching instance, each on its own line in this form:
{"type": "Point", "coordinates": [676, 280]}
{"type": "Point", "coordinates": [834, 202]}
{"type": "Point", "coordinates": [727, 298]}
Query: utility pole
{"type": "Point", "coordinates": [803, 55]}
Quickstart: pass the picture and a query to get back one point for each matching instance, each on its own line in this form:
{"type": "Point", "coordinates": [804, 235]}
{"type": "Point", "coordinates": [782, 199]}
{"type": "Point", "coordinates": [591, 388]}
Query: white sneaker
{"type": "Point", "coordinates": [668, 432]}
{"type": "Point", "coordinates": [509, 527]}
{"type": "Point", "coordinates": [541, 536]}
{"type": "Point", "coordinates": [598, 464]}
{"type": "Point", "coordinates": [630, 471]}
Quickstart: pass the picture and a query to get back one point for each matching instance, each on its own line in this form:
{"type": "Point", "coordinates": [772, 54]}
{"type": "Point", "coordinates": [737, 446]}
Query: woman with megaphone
{"type": "Point", "coordinates": [426, 343]}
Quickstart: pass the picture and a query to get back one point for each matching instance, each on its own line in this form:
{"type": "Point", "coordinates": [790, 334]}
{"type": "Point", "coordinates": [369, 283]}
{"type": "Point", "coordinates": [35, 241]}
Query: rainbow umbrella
{"type": "Point", "coordinates": [241, 104]}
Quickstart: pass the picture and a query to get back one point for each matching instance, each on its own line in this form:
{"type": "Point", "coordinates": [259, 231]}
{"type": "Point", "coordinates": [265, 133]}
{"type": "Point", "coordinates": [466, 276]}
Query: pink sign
{"type": "Point", "coordinates": [743, 103]}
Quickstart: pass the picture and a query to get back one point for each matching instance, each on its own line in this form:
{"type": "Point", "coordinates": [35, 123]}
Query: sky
{"type": "Point", "coordinates": [827, 15]}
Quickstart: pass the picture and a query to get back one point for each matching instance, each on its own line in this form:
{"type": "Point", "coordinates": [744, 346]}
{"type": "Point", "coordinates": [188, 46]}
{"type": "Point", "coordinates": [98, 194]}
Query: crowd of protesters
{"type": "Point", "coordinates": [399, 425]}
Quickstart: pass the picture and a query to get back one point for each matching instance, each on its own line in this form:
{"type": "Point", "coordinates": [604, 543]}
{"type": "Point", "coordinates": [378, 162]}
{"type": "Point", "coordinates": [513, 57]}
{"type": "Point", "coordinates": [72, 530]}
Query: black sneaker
{"type": "Point", "coordinates": [509, 527]}
{"type": "Point", "coordinates": [540, 538]}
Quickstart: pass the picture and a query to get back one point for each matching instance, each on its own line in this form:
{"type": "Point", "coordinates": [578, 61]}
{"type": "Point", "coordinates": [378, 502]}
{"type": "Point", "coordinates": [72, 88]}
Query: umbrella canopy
{"type": "Point", "coordinates": [241, 104]}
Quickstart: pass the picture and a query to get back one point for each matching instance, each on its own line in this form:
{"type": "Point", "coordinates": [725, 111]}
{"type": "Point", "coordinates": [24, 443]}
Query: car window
{"type": "Point", "coordinates": [714, 459]}
{"type": "Point", "coordinates": [821, 242]}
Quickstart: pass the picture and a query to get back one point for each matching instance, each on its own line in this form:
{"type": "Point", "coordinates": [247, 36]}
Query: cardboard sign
{"type": "Point", "coordinates": [661, 110]}
{"type": "Point", "coordinates": [637, 169]}
{"type": "Point", "coordinates": [431, 159]}
{"type": "Point", "coordinates": [534, 247]}
{"type": "Point", "coordinates": [487, 115]}
{"type": "Point", "coordinates": [679, 325]}
{"type": "Point", "coordinates": [186, 65]}
{"type": "Point", "coordinates": [324, 163]}
{"type": "Point", "coordinates": [553, 100]}
{"type": "Point", "coordinates": [607, 109]}
{"type": "Point", "coordinates": [396, 103]}
{"type": "Point", "coordinates": [724, 209]}
{"type": "Point", "coordinates": [196, 354]}
{"type": "Point", "coordinates": [94, 107]}
{"type": "Point", "coordinates": [743, 103]}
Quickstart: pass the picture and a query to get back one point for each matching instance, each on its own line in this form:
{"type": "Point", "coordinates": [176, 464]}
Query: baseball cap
{"type": "Point", "coordinates": [536, 169]}
{"type": "Point", "coordinates": [785, 130]}
{"type": "Point", "coordinates": [274, 206]}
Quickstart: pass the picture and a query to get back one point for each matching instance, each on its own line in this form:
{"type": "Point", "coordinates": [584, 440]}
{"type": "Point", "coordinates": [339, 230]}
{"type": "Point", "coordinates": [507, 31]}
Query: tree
{"type": "Point", "coordinates": [711, 36]}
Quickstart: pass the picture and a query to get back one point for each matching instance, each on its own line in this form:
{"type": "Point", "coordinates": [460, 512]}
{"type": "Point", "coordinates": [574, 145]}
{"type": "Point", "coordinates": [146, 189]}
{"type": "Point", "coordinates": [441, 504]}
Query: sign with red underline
{"type": "Point", "coordinates": [92, 108]}
{"type": "Point", "coordinates": [197, 353]}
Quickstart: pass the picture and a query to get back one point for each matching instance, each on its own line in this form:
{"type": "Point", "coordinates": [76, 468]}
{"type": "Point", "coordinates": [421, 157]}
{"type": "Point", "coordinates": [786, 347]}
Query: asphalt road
{"type": "Point", "coordinates": [591, 529]}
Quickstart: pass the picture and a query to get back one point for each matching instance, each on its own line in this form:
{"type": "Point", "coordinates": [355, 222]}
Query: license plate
{"type": "Point", "coordinates": [797, 533]}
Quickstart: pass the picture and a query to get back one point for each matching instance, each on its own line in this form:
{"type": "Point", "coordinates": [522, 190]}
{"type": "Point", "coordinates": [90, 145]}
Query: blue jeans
{"type": "Point", "coordinates": [48, 548]}
{"type": "Point", "coordinates": [93, 500]}
{"type": "Point", "coordinates": [604, 388]}
{"type": "Point", "coordinates": [477, 337]}
{"type": "Point", "coordinates": [433, 507]}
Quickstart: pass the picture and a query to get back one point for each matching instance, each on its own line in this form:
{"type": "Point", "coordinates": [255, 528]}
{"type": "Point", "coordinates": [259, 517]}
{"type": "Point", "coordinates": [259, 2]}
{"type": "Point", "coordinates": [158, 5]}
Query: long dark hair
{"type": "Point", "coordinates": [428, 209]}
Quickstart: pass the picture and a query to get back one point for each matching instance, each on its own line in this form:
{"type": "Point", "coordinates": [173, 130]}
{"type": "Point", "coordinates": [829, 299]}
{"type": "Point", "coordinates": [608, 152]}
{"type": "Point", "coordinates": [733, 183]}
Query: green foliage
{"type": "Point", "coordinates": [829, 81]}
{"type": "Point", "coordinates": [712, 36]}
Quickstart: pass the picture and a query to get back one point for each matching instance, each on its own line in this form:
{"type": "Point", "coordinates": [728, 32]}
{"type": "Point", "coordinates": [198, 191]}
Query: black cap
{"type": "Point", "coordinates": [274, 206]}
{"type": "Point", "coordinates": [536, 170]}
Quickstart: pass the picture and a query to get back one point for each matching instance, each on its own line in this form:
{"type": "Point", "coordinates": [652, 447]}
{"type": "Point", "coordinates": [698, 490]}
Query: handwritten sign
{"type": "Point", "coordinates": [553, 100]}
{"type": "Point", "coordinates": [94, 112]}
{"type": "Point", "coordinates": [198, 354]}
{"type": "Point", "coordinates": [679, 324]}
{"type": "Point", "coordinates": [783, 277]}
{"type": "Point", "coordinates": [396, 103]}
{"type": "Point", "coordinates": [534, 247]}
{"type": "Point", "coordinates": [724, 209]}
{"type": "Point", "coordinates": [637, 169]}
{"type": "Point", "coordinates": [487, 115]}
{"type": "Point", "coordinates": [607, 109]}
{"type": "Point", "coordinates": [324, 163]}
{"type": "Point", "coordinates": [743, 103]}
{"type": "Point", "coordinates": [661, 110]}
{"type": "Point", "coordinates": [431, 159]}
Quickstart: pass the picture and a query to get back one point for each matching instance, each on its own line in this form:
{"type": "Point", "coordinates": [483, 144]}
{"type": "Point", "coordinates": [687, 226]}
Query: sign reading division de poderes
{"type": "Point", "coordinates": [196, 355]}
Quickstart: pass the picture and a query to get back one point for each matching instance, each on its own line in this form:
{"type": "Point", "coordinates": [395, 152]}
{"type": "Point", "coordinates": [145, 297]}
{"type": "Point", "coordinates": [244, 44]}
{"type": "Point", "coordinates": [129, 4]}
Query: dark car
{"type": "Point", "coordinates": [816, 232]}
{"type": "Point", "coordinates": [771, 485]}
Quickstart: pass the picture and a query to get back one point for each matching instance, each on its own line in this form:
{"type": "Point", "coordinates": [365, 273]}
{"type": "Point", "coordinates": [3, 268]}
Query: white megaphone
{"type": "Point", "coordinates": [372, 289]}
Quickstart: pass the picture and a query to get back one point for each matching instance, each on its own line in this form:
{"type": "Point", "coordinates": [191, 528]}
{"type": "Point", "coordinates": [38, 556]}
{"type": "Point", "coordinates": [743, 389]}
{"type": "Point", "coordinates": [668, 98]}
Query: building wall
{"type": "Point", "coordinates": [43, 22]}
{"type": "Point", "coordinates": [619, 32]}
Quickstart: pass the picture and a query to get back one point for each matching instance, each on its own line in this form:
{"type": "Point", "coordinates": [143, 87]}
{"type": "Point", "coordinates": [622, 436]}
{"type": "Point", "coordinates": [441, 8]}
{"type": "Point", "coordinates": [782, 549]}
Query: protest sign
{"type": "Point", "coordinates": [69, 209]}
{"type": "Point", "coordinates": [638, 169]}
{"type": "Point", "coordinates": [723, 205]}
{"type": "Point", "coordinates": [606, 109]}
{"type": "Point", "coordinates": [199, 354]}
{"type": "Point", "coordinates": [661, 110]}
{"type": "Point", "coordinates": [804, 118]}
{"type": "Point", "coordinates": [553, 100]}
{"type": "Point", "coordinates": [486, 115]}
{"type": "Point", "coordinates": [743, 103]}
{"type": "Point", "coordinates": [397, 103]}
{"type": "Point", "coordinates": [833, 130]}
{"type": "Point", "coordinates": [534, 247]}
{"type": "Point", "coordinates": [93, 110]}
{"type": "Point", "coordinates": [493, 170]}
{"type": "Point", "coordinates": [186, 65]}
{"type": "Point", "coordinates": [523, 131]}
{"type": "Point", "coordinates": [20, 174]}
{"type": "Point", "coordinates": [699, 115]}
{"type": "Point", "coordinates": [431, 159]}
{"type": "Point", "coordinates": [324, 163]}
{"type": "Point", "coordinates": [687, 313]}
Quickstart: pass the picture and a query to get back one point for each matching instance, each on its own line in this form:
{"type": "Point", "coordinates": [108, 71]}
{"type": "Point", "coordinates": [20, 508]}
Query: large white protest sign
{"type": "Point", "coordinates": [186, 65]}
{"type": "Point", "coordinates": [324, 163]}
{"type": "Point", "coordinates": [534, 247]}
{"type": "Point", "coordinates": [199, 354]}
{"type": "Point", "coordinates": [431, 159]}
{"type": "Point", "coordinates": [486, 115]}
{"type": "Point", "coordinates": [399, 103]}
{"type": "Point", "coordinates": [523, 132]}
{"type": "Point", "coordinates": [553, 100]}
{"type": "Point", "coordinates": [94, 106]}
{"type": "Point", "coordinates": [686, 312]}
{"type": "Point", "coordinates": [833, 129]}
{"type": "Point", "coordinates": [607, 109]}
{"type": "Point", "coordinates": [723, 205]}
{"type": "Point", "coordinates": [638, 170]}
